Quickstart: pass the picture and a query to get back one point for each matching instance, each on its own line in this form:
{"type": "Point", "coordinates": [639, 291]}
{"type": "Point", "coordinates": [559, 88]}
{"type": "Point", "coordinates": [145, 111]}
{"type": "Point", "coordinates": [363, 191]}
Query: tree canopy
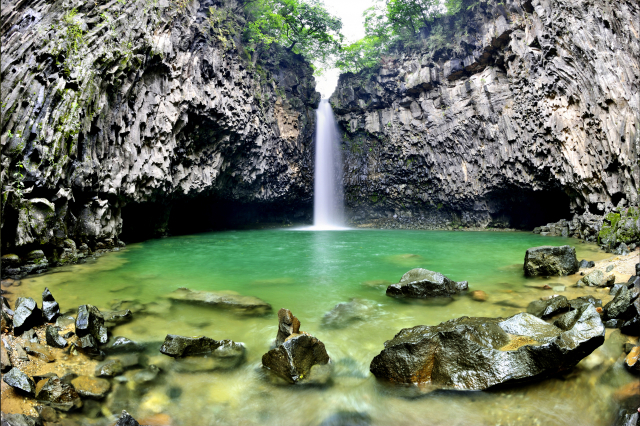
{"type": "Point", "coordinates": [301, 26]}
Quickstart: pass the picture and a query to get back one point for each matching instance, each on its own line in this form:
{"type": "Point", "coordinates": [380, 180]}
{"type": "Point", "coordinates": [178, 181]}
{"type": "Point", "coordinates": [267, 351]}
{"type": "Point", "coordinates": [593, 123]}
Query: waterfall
{"type": "Point", "coordinates": [328, 199]}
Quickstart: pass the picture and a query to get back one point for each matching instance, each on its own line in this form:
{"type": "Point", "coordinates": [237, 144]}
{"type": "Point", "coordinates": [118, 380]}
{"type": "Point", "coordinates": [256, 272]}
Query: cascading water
{"type": "Point", "coordinates": [328, 201]}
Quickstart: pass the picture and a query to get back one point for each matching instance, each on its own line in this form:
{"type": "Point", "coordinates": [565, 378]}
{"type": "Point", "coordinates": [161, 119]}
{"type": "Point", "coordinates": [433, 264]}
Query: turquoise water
{"type": "Point", "coordinates": [309, 273]}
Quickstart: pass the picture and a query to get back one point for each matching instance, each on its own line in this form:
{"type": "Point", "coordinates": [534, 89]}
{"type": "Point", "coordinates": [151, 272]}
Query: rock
{"type": "Point", "coordinates": [596, 279]}
{"type": "Point", "coordinates": [585, 300]}
{"type": "Point", "coordinates": [622, 306]}
{"type": "Point", "coordinates": [53, 337]}
{"type": "Point", "coordinates": [128, 360]}
{"type": "Point", "coordinates": [613, 323]}
{"type": "Point", "coordinates": [584, 264]}
{"type": "Point", "coordinates": [294, 359]}
{"type": "Point", "coordinates": [10, 260]}
{"type": "Point", "coordinates": [50, 308]}
{"type": "Point", "coordinates": [126, 420]}
{"type": "Point", "coordinates": [222, 354]}
{"type": "Point", "coordinates": [287, 325]}
{"type": "Point", "coordinates": [347, 418]}
{"type": "Point", "coordinates": [30, 336]}
{"type": "Point", "coordinates": [48, 414]}
{"type": "Point", "coordinates": [146, 375]}
{"type": "Point", "coordinates": [91, 387]}
{"type": "Point", "coordinates": [422, 283]}
{"type": "Point", "coordinates": [62, 395]}
{"type": "Point", "coordinates": [20, 420]}
{"type": "Point", "coordinates": [39, 351]}
{"type": "Point", "coordinates": [632, 327]}
{"type": "Point", "coordinates": [6, 322]}
{"type": "Point", "coordinates": [376, 283]}
{"type": "Point", "coordinates": [26, 316]}
{"type": "Point", "coordinates": [609, 268]}
{"type": "Point", "coordinates": [621, 250]}
{"type": "Point", "coordinates": [627, 418]}
{"type": "Point", "coordinates": [344, 314]}
{"type": "Point", "coordinates": [113, 318]}
{"type": "Point", "coordinates": [479, 295]}
{"type": "Point", "coordinates": [549, 261]}
{"type": "Point", "coordinates": [632, 360]}
{"type": "Point", "coordinates": [548, 308]}
{"type": "Point", "coordinates": [634, 281]}
{"type": "Point", "coordinates": [109, 368]}
{"type": "Point", "coordinates": [638, 269]}
{"type": "Point", "coordinates": [478, 353]}
{"type": "Point", "coordinates": [20, 381]}
{"type": "Point", "coordinates": [616, 288]}
{"type": "Point", "coordinates": [91, 321]}
{"type": "Point", "coordinates": [247, 305]}
{"type": "Point", "coordinates": [5, 361]}
{"type": "Point", "coordinates": [65, 321]}
{"type": "Point", "coordinates": [120, 345]}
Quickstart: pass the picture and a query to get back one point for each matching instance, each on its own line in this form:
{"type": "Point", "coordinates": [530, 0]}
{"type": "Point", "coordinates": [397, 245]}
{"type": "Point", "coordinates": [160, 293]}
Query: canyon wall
{"type": "Point", "coordinates": [530, 115]}
{"type": "Point", "coordinates": [128, 119]}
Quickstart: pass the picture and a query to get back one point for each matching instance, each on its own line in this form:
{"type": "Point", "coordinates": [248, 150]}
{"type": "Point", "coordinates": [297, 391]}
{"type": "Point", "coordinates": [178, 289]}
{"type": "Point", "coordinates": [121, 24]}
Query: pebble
{"type": "Point", "coordinates": [479, 295]}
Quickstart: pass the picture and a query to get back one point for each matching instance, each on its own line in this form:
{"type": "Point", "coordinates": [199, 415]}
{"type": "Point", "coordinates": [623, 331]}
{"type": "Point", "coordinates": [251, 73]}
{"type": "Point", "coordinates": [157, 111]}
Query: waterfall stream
{"type": "Point", "coordinates": [328, 201]}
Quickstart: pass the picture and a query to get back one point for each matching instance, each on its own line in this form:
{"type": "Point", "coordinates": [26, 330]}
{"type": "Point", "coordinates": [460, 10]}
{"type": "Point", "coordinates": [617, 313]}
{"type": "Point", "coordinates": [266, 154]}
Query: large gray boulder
{"type": "Point", "coordinates": [478, 353]}
{"type": "Point", "coordinates": [549, 260]}
{"type": "Point", "coordinates": [421, 284]}
{"type": "Point", "coordinates": [91, 322]}
{"type": "Point", "coordinates": [247, 305]}
{"type": "Point", "coordinates": [202, 353]}
{"type": "Point", "coordinates": [346, 313]}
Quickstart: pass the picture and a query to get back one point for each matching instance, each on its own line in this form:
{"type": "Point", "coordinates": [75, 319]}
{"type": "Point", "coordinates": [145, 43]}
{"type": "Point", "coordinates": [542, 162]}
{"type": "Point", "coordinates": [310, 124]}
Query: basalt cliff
{"type": "Point", "coordinates": [518, 113]}
{"type": "Point", "coordinates": [122, 120]}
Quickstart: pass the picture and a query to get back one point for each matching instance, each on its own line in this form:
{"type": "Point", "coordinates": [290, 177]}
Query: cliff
{"type": "Point", "coordinates": [134, 118]}
{"type": "Point", "coordinates": [519, 113]}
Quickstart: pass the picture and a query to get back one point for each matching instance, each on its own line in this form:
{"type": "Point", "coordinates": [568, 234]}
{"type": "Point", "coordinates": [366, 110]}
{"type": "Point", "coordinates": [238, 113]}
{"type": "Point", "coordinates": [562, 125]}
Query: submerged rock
{"type": "Point", "coordinates": [220, 354]}
{"type": "Point", "coordinates": [20, 381]}
{"type": "Point", "coordinates": [91, 387]}
{"type": "Point", "coordinates": [300, 358]}
{"type": "Point", "coordinates": [122, 345]}
{"type": "Point", "coordinates": [109, 368]}
{"type": "Point", "coordinates": [50, 308]}
{"type": "Point", "coordinates": [344, 314]}
{"type": "Point", "coordinates": [548, 308]}
{"type": "Point", "coordinates": [422, 283]}
{"type": "Point", "coordinates": [113, 318]}
{"type": "Point", "coordinates": [478, 353]}
{"type": "Point", "coordinates": [288, 324]}
{"type": "Point", "coordinates": [53, 337]}
{"type": "Point", "coordinates": [53, 390]}
{"type": "Point", "coordinates": [347, 418]}
{"type": "Point", "coordinates": [248, 305]}
{"type": "Point", "coordinates": [90, 321]}
{"type": "Point", "coordinates": [26, 315]}
{"type": "Point", "coordinates": [20, 420]}
{"type": "Point", "coordinates": [126, 420]}
{"type": "Point", "coordinates": [549, 260]}
{"type": "Point", "coordinates": [585, 264]}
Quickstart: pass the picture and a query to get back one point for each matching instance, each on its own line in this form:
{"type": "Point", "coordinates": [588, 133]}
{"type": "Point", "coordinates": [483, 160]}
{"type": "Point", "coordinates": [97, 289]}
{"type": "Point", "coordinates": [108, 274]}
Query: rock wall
{"type": "Point", "coordinates": [533, 116]}
{"type": "Point", "coordinates": [119, 112]}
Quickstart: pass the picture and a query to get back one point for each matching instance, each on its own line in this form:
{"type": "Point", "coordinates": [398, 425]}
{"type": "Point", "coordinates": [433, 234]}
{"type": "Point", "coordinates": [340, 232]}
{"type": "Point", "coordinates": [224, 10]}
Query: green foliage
{"type": "Point", "coordinates": [393, 22]}
{"type": "Point", "coordinates": [303, 27]}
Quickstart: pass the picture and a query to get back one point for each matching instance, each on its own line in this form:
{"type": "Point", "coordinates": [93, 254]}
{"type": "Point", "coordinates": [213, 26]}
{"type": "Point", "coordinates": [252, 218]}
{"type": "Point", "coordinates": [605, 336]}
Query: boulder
{"type": "Point", "coordinates": [585, 300]}
{"type": "Point", "coordinates": [346, 313]}
{"type": "Point", "coordinates": [123, 345]}
{"type": "Point", "coordinates": [634, 281]}
{"type": "Point", "coordinates": [62, 395]}
{"type": "Point", "coordinates": [50, 308]}
{"type": "Point", "coordinates": [90, 321]}
{"type": "Point", "coordinates": [584, 264]}
{"type": "Point", "coordinates": [20, 420]}
{"type": "Point", "coordinates": [478, 353]}
{"type": "Point", "coordinates": [91, 387]}
{"type": "Point", "coordinates": [287, 325]}
{"type": "Point", "coordinates": [20, 381]}
{"type": "Point", "coordinates": [300, 358]}
{"type": "Point", "coordinates": [26, 315]}
{"type": "Point", "coordinates": [247, 305]}
{"type": "Point", "coordinates": [422, 283]}
{"type": "Point", "coordinates": [126, 420]}
{"type": "Point", "coordinates": [622, 306]}
{"type": "Point", "coordinates": [220, 354]}
{"type": "Point", "coordinates": [549, 260]}
{"type": "Point", "coordinates": [54, 338]}
{"type": "Point", "coordinates": [596, 279]}
{"type": "Point", "coordinates": [548, 308]}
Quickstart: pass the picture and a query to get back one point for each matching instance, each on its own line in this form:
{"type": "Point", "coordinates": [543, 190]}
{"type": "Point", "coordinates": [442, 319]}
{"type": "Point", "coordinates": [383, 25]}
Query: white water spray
{"type": "Point", "coordinates": [328, 199]}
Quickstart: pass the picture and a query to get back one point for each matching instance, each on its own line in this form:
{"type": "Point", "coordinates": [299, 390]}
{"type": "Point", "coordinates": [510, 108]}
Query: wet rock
{"type": "Point", "coordinates": [478, 353]}
{"type": "Point", "coordinates": [26, 315]}
{"type": "Point", "coordinates": [422, 283]}
{"type": "Point", "coordinates": [50, 308]}
{"type": "Point", "coordinates": [220, 354]}
{"type": "Point", "coordinates": [632, 327]}
{"type": "Point", "coordinates": [5, 361]}
{"type": "Point", "coordinates": [613, 323]}
{"type": "Point", "coordinates": [47, 414]}
{"type": "Point", "coordinates": [53, 337]}
{"type": "Point", "coordinates": [113, 318]}
{"type": "Point", "coordinates": [584, 264]}
{"type": "Point", "coordinates": [548, 308]}
{"type": "Point", "coordinates": [288, 324]}
{"type": "Point", "coordinates": [632, 360]}
{"type": "Point", "coordinates": [344, 314]}
{"type": "Point", "coordinates": [247, 305]}
{"type": "Point", "coordinates": [20, 381]}
{"type": "Point", "coordinates": [567, 320]}
{"type": "Point", "coordinates": [616, 288]}
{"type": "Point", "coordinates": [30, 336]}
{"type": "Point", "coordinates": [549, 261]}
{"type": "Point", "coordinates": [6, 322]}
{"type": "Point", "coordinates": [595, 279]}
{"type": "Point", "coordinates": [347, 418]}
{"type": "Point", "coordinates": [126, 420]}
{"type": "Point", "coordinates": [39, 351]}
{"type": "Point", "coordinates": [479, 296]}
{"type": "Point", "coordinates": [146, 375]}
{"type": "Point", "coordinates": [20, 353]}
{"type": "Point", "coordinates": [585, 300]}
{"type": "Point", "coordinates": [634, 281]}
{"type": "Point", "coordinates": [109, 368]}
{"type": "Point", "coordinates": [128, 360]}
{"type": "Point", "coordinates": [91, 387]}
{"type": "Point", "coordinates": [20, 420]}
{"type": "Point", "coordinates": [91, 321]}
{"type": "Point", "coordinates": [121, 345]}
{"type": "Point", "coordinates": [376, 283]}
{"type": "Point", "coordinates": [65, 321]}
{"type": "Point", "coordinates": [627, 418]}
{"type": "Point", "coordinates": [62, 395]}
{"type": "Point", "coordinates": [622, 306]}
{"type": "Point", "coordinates": [4, 303]}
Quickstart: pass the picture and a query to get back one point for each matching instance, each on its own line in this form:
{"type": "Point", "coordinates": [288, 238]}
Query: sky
{"type": "Point", "coordinates": [350, 12]}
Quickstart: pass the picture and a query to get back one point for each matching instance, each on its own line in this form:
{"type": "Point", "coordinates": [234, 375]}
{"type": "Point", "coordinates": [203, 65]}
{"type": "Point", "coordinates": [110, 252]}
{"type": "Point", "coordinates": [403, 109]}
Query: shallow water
{"type": "Point", "coordinates": [308, 273]}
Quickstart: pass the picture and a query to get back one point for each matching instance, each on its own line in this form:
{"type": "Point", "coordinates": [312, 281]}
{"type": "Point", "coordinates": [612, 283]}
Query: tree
{"type": "Point", "coordinates": [303, 27]}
